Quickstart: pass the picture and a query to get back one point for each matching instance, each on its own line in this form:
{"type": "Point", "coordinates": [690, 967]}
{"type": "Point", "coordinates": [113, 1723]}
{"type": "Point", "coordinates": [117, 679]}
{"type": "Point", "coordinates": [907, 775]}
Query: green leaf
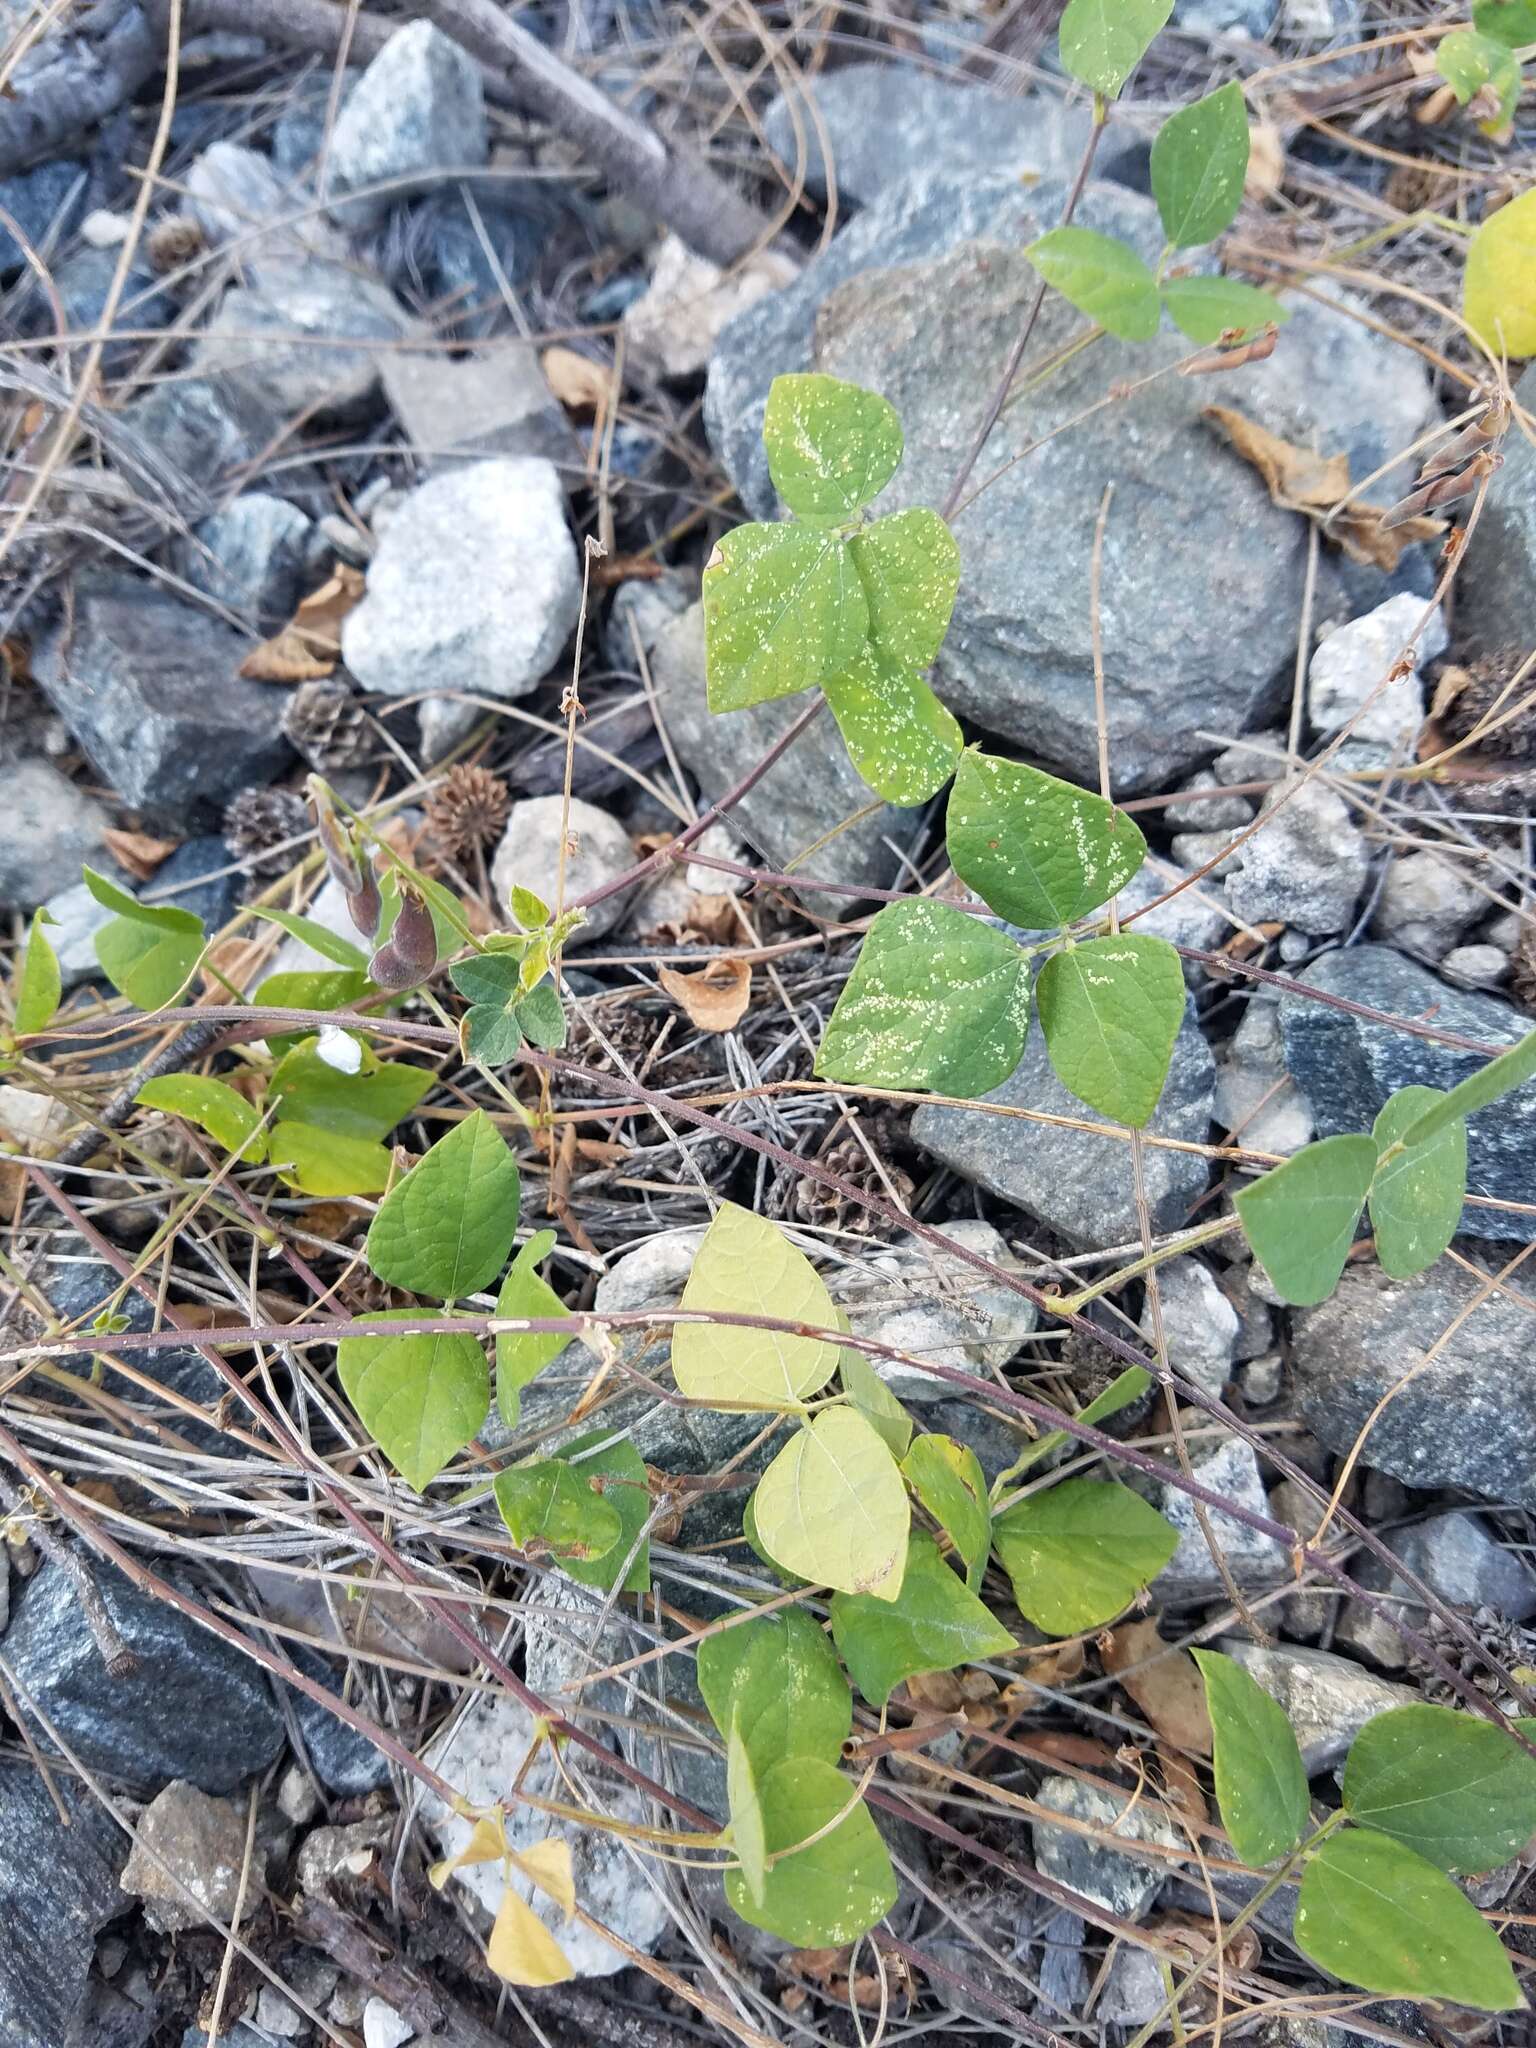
{"type": "Point", "coordinates": [421, 1398]}
{"type": "Point", "coordinates": [1377, 1915]}
{"type": "Point", "coordinates": [1102, 41]}
{"type": "Point", "coordinates": [1103, 278]}
{"type": "Point", "coordinates": [947, 1478]}
{"type": "Point", "coordinates": [215, 1108]}
{"type": "Point", "coordinates": [531, 911]}
{"type": "Point", "coordinates": [778, 1680]}
{"type": "Point", "coordinates": [1080, 1553]}
{"type": "Point", "coordinates": [542, 1017]}
{"type": "Point", "coordinates": [1501, 1076]}
{"type": "Point", "coordinates": [934, 1624]}
{"type": "Point", "coordinates": [747, 1833]}
{"type": "Point", "coordinates": [1468, 61]}
{"type": "Point", "coordinates": [553, 1511]}
{"type": "Point", "coordinates": [783, 609]}
{"type": "Point", "coordinates": [936, 1000]}
{"type": "Point", "coordinates": [364, 1105]}
{"type": "Point", "coordinates": [1111, 1010]}
{"type": "Point", "coordinates": [328, 1163]}
{"type": "Point", "coordinates": [832, 1508]}
{"type": "Point", "coordinates": [1038, 851]}
{"type": "Point", "coordinates": [39, 985]}
{"type": "Point", "coordinates": [1299, 1218]}
{"type": "Point", "coordinates": [165, 917]}
{"type": "Point", "coordinates": [492, 984]}
{"type": "Point", "coordinates": [1511, 22]}
{"type": "Point", "coordinates": [311, 991]}
{"type": "Point", "coordinates": [909, 566]}
{"type": "Point", "coordinates": [1261, 1781]}
{"type": "Point", "coordinates": [1452, 1787]}
{"type": "Point", "coordinates": [1206, 308]}
{"type": "Point", "coordinates": [1499, 282]}
{"type": "Point", "coordinates": [318, 939]}
{"type": "Point", "coordinates": [831, 446]}
{"type": "Point", "coordinates": [835, 1889]}
{"type": "Point", "coordinates": [875, 1402]}
{"type": "Point", "coordinates": [149, 951]}
{"type": "Point", "coordinates": [602, 1455]}
{"type": "Point", "coordinates": [447, 1227]}
{"type": "Point", "coordinates": [1199, 162]}
{"type": "Point", "coordinates": [747, 1266]}
{"type": "Point", "coordinates": [1416, 1199]}
{"type": "Point", "coordinates": [899, 736]}
{"type": "Point", "coordinates": [1122, 1390]}
{"type": "Point", "coordinates": [522, 1355]}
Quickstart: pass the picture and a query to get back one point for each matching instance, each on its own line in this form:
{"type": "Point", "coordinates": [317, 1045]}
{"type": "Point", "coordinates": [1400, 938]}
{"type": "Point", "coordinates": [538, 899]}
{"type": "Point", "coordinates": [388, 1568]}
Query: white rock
{"type": "Point", "coordinates": [598, 850]}
{"type": "Point", "coordinates": [31, 1121]}
{"type": "Point", "coordinates": [1254, 1559]}
{"type": "Point", "coordinates": [275, 2015]}
{"type": "Point", "coordinates": [1426, 904]}
{"type": "Point", "coordinates": [1199, 1324]}
{"type": "Point", "coordinates": [418, 110]}
{"type": "Point", "coordinates": [1305, 866]}
{"type": "Point", "coordinates": [1256, 1099]}
{"type": "Point", "coordinates": [671, 329]}
{"type": "Point", "coordinates": [297, 1800]}
{"type": "Point", "coordinates": [1327, 1699]}
{"type": "Point", "coordinates": [1358, 657]}
{"type": "Point", "coordinates": [476, 1756]}
{"type": "Point", "coordinates": [237, 198]}
{"type": "Point", "coordinates": [651, 1276]}
{"type": "Point", "coordinates": [383, 2027]}
{"type": "Point", "coordinates": [670, 899]}
{"type": "Point", "coordinates": [916, 1299]}
{"type": "Point", "coordinates": [474, 585]}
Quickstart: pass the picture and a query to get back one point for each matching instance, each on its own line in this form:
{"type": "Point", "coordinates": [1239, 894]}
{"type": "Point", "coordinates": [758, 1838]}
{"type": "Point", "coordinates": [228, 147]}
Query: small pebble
{"type": "Point", "coordinates": [1475, 966]}
{"type": "Point", "coordinates": [383, 2027]}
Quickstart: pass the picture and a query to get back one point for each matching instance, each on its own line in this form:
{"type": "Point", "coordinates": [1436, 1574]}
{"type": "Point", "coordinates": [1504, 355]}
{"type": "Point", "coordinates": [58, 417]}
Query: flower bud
{"type": "Point", "coordinates": [410, 952]}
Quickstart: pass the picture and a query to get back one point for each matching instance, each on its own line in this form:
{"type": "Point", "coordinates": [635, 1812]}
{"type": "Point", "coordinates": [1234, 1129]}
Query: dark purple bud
{"type": "Point", "coordinates": [410, 953]}
{"type": "Point", "coordinates": [363, 905]}
{"type": "Point", "coordinates": [336, 842]}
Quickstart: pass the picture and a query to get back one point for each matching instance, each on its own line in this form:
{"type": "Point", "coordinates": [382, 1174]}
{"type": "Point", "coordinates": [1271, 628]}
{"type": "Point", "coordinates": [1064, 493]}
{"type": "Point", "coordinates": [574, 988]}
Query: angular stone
{"type": "Point", "coordinates": [1122, 1885]}
{"type": "Point", "coordinates": [1305, 866]}
{"type": "Point", "coordinates": [671, 328]}
{"type": "Point", "coordinates": [1476, 966]}
{"type": "Point", "coordinates": [1200, 1325]}
{"type": "Point", "coordinates": [1426, 904]}
{"type": "Point", "coordinates": [1456, 1557]}
{"type": "Point", "coordinates": [251, 555]}
{"type": "Point", "coordinates": [1352, 669]}
{"type": "Point", "coordinates": [1326, 1699]}
{"type": "Point", "coordinates": [1252, 1558]}
{"type": "Point", "coordinates": [51, 828]}
{"type": "Point", "coordinates": [1256, 1100]}
{"type": "Point", "coordinates": [599, 850]}
{"type": "Point", "coordinates": [912, 1296]}
{"type": "Point", "coordinates": [1464, 1418]}
{"type": "Point", "coordinates": [461, 409]}
{"type": "Point", "coordinates": [186, 1843]}
{"type": "Point", "coordinates": [238, 200]}
{"type": "Point", "coordinates": [1349, 1065]}
{"type": "Point", "coordinates": [58, 1889]}
{"type": "Point", "coordinates": [1076, 1183]}
{"type": "Point", "coordinates": [416, 112]}
{"type": "Point", "coordinates": [1498, 580]}
{"type": "Point", "coordinates": [308, 339]}
{"type": "Point", "coordinates": [202, 427]}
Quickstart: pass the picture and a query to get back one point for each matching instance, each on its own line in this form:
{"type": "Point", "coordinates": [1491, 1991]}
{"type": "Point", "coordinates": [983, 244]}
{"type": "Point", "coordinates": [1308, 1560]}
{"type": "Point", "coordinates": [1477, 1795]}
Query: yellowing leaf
{"type": "Point", "coordinates": [487, 1844]}
{"type": "Point", "coordinates": [832, 1507]}
{"type": "Point", "coordinates": [748, 1267]}
{"type": "Point", "coordinates": [1499, 288]}
{"type": "Point", "coordinates": [522, 1950]}
{"type": "Point", "coordinates": [548, 1865]}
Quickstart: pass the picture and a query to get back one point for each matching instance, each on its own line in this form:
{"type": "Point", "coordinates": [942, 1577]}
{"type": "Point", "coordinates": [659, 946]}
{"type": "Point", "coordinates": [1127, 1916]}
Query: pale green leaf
{"type": "Point", "coordinates": [747, 1834]}
{"type": "Point", "coordinates": [1416, 1199]}
{"type": "Point", "coordinates": [1501, 1076]}
{"type": "Point", "coordinates": [875, 1401]}
{"type": "Point", "coordinates": [625, 1486]}
{"type": "Point", "coordinates": [213, 1106]}
{"type": "Point", "coordinates": [553, 1511]}
{"type": "Point", "coordinates": [1511, 22]}
{"type": "Point", "coordinates": [422, 1398]}
{"type": "Point", "coordinates": [1450, 1786]}
{"type": "Point", "coordinates": [779, 1680]}
{"type": "Point", "coordinates": [1300, 1218]}
{"type": "Point", "coordinates": [530, 910]}
{"type": "Point", "coordinates": [541, 1015]}
{"type": "Point", "coordinates": [947, 1478]}
{"type": "Point", "coordinates": [1111, 1010]}
{"type": "Point", "coordinates": [165, 917]}
{"type": "Point", "coordinates": [909, 566]}
{"type": "Point", "coordinates": [364, 1105]}
{"type": "Point", "coordinates": [1261, 1781]}
{"type": "Point", "coordinates": [149, 951]}
{"type": "Point", "coordinates": [831, 446]}
{"type": "Point", "coordinates": [830, 1892]}
{"type": "Point", "coordinates": [784, 609]}
{"type": "Point", "coordinates": [1377, 1915]}
{"type": "Point", "coordinates": [521, 1355]}
{"type": "Point", "coordinates": [1079, 1554]}
{"type": "Point", "coordinates": [899, 736]}
{"type": "Point", "coordinates": [1206, 308]}
{"type": "Point", "coordinates": [1499, 282]}
{"type": "Point", "coordinates": [1038, 851]}
{"type": "Point", "coordinates": [328, 1163]}
{"type": "Point", "coordinates": [323, 989]}
{"type": "Point", "coordinates": [936, 1000]}
{"type": "Point", "coordinates": [832, 1508]}
{"type": "Point", "coordinates": [319, 939]}
{"type": "Point", "coordinates": [1102, 277]}
{"type": "Point", "coordinates": [1468, 61]}
{"type": "Point", "coordinates": [935, 1623]}
{"type": "Point", "coordinates": [747, 1266]}
{"type": "Point", "coordinates": [447, 1227]}
{"type": "Point", "coordinates": [1102, 41]}
{"type": "Point", "coordinates": [39, 984]}
{"type": "Point", "coordinates": [1199, 162]}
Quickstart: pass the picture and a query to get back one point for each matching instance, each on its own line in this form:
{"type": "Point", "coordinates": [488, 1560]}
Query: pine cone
{"type": "Point", "coordinates": [1513, 1648]}
{"type": "Point", "coordinates": [325, 724]}
{"type": "Point", "coordinates": [259, 820]}
{"type": "Point", "coordinates": [815, 1202]}
{"type": "Point", "coordinates": [467, 810]}
{"type": "Point", "coordinates": [1465, 696]}
{"type": "Point", "coordinates": [174, 241]}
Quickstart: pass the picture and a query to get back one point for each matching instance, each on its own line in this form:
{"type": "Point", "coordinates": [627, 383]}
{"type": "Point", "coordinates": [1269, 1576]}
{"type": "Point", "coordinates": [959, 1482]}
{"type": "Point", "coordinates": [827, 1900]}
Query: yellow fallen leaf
{"type": "Point", "coordinates": [714, 999]}
{"type": "Point", "coordinates": [487, 1844]}
{"type": "Point", "coordinates": [522, 1950]}
{"type": "Point", "coordinates": [309, 646]}
{"type": "Point", "coordinates": [548, 1864]}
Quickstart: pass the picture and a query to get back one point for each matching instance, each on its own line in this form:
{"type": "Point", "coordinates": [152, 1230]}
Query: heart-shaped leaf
{"type": "Point", "coordinates": [935, 1623]}
{"type": "Point", "coordinates": [777, 1678]}
{"type": "Point", "coordinates": [1416, 1198]}
{"type": "Point", "coordinates": [422, 1398]}
{"type": "Point", "coordinates": [1450, 1786]}
{"type": "Point", "coordinates": [832, 1509]}
{"type": "Point", "coordinates": [1300, 1218]}
{"type": "Point", "coordinates": [834, 1889]}
{"type": "Point", "coordinates": [831, 446]}
{"type": "Point", "coordinates": [747, 1266]}
{"type": "Point", "coordinates": [1038, 851]}
{"type": "Point", "coordinates": [447, 1227]}
{"type": "Point", "coordinates": [1080, 1553]}
{"type": "Point", "coordinates": [1102, 41]}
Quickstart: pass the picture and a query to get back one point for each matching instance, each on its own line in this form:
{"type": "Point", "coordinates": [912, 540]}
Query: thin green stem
{"type": "Point", "coordinates": [1074, 1304]}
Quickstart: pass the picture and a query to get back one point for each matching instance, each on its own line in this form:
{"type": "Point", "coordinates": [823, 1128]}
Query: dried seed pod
{"type": "Point", "coordinates": [336, 842]}
{"type": "Point", "coordinates": [364, 904]}
{"type": "Point", "coordinates": [1472, 440]}
{"type": "Point", "coordinates": [409, 954]}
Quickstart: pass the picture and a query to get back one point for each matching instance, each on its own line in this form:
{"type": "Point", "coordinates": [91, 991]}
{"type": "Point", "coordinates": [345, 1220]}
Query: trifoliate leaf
{"type": "Point", "coordinates": [899, 736]}
{"type": "Point", "coordinates": [1199, 162]}
{"type": "Point", "coordinates": [1103, 278]}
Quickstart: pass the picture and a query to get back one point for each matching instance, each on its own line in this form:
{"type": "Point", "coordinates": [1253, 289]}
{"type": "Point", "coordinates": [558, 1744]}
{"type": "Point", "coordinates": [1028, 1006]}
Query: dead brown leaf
{"type": "Point", "coordinates": [137, 851]}
{"type": "Point", "coordinates": [1167, 1686]}
{"type": "Point", "coordinates": [578, 382]}
{"type": "Point", "coordinates": [1299, 480]}
{"type": "Point", "coordinates": [1266, 161]}
{"type": "Point", "coordinates": [309, 646]}
{"type": "Point", "coordinates": [714, 999]}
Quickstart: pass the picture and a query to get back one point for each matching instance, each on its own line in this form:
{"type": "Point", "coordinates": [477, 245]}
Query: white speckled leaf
{"type": "Point", "coordinates": [936, 1000]}
{"type": "Point", "coordinates": [910, 568]}
{"type": "Point", "coordinates": [831, 446]}
{"type": "Point", "coordinates": [1300, 1218]}
{"type": "Point", "coordinates": [1039, 851]}
{"type": "Point", "coordinates": [783, 610]}
{"type": "Point", "coordinates": [747, 1266]}
{"type": "Point", "coordinates": [832, 1507]}
{"type": "Point", "coordinates": [898, 735]}
{"type": "Point", "coordinates": [1111, 1010]}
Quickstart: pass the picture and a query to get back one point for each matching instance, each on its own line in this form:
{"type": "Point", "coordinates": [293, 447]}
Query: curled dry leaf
{"type": "Point", "coordinates": [714, 999]}
{"type": "Point", "coordinates": [137, 851]}
{"type": "Point", "coordinates": [1266, 161]}
{"type": "Point", "coordinates": [1164, 1682]}
{"type": "Point", "coordinates": [309, 646]}
{"type": "Point", "coordinates": [576, 380]}
{"type": "Point", "coordinates": [1299, 480]}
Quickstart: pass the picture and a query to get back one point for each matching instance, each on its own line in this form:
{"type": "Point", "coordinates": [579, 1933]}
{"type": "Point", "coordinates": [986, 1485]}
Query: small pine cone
{"type": "Point", "coordinates": [467, 810]}
{"type": "Point", "coordinates": [325, 724]}
{"type": "Point", "coordinates": [259, 820]}
{"type": "Point", "coordinates": [1511, 1647]}
{"type": "Point", "coordinates": [174, 241]}
{"type": "Point", "coordinates": [816, 1202]}
{"type": "Point", "coordinates": [1466, 696]}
